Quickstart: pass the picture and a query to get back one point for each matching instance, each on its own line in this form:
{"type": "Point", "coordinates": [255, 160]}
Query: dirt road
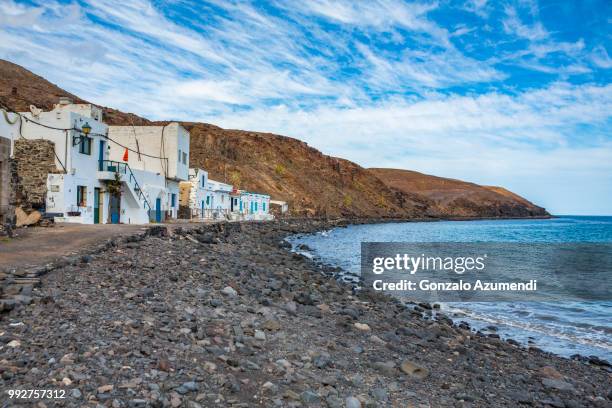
{"type": "Point", "coordinates": [35, 246]}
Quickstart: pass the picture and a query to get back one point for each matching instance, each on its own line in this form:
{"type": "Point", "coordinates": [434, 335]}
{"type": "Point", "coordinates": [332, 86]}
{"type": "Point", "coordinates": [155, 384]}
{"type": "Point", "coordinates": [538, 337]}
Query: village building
{"type": "Point", "coordinates": [160, 150]}
{"type": "Point", "coordinates": [74, 168]}
{"type": "Point", "coordinates": [61, 166]}
{"type": "Point", "coordinates": [279, 207]}
{"type": "Point", "coordinates": [218, 204]}
{"type": "Point", "coordinates": [251, 206]}
{"type": "Point", "coordinates": [59, 160]}
{"type": "Point", "coordinates": [192, 196]}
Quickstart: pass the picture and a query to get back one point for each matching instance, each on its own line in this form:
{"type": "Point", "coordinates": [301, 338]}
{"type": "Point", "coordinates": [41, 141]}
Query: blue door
{"type": "Point", "coordinates": [115, 208]}
{"type": "Point", "coordinates": [158, 210]}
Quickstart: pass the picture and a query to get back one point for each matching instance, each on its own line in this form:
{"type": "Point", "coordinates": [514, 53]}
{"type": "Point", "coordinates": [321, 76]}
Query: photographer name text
{"type": "Point", "coordinates": [460, 286]}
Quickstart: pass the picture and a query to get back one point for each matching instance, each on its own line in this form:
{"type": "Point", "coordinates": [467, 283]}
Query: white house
{"type": "Point", "coordinates": [281, 206]}
{"type": "Point", "coordinates": [218, 199]}
{"type": "Point", "coordinates": [9, 126]}
{"type": "Point", "coordinates": [193, 193]}
{"type": "Point", "coordinates": [80, 191]}
{"type": "Point", "coordinates": [162, 150]}
{"type": "Point", "coordinates": [251, 206]}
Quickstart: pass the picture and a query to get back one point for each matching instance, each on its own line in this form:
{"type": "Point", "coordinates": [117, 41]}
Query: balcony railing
{"type": "Point", "coordinates": [124, 168]}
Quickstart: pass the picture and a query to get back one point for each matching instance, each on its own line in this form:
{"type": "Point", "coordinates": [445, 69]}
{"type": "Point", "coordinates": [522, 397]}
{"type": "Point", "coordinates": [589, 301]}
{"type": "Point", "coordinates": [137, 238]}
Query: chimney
{"type": "Point", "coordinates": [64, 100]}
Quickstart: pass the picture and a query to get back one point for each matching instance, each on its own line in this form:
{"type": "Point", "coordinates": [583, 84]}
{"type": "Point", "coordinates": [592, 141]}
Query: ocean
{"type": "Point", "coordinates": [563, 328]}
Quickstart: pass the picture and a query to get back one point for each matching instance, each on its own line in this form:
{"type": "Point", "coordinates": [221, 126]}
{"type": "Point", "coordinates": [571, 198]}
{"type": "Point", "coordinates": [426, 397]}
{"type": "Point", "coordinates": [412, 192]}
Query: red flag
{"type": "Point", "coordinates": [125, 155]}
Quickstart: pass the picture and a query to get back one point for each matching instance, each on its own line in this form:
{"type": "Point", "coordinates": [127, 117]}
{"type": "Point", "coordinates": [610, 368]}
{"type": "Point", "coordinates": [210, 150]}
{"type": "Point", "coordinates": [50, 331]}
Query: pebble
{"type": "Point", "coordinates": [352, 402]}
{"type": "Point", "coordinates": [557, 384]}
{"type": "Point", "coordinates": [321, 360]}
{"type": "Point", "coordinates": [362, 326]}
{"type": "Point", "coordinates": [380, 394]}
{"type": "Point", "coordinates": [105, 388]}
{"type": "Point", "coordinates": [260, 335]}
{"type": "Point", "coordinates": [310, 397]}
{"type": "Point", "coordinates": [550, 372]}
{"type": "Point", "coordinates": [271, 325]}
{"type": "Point", "coordinates": [334, 402]}
{"type": "Point", "coordinates": [270, 387]}
{"type": "Point", "coordinates": [229, 291]}
{"type": "Point", "coordinates": [14, 343]}
{"type": "Point", "coordinates": [215, 302]}
{"type": "Point", "coordinates": [186, 387]}
{"type": "Point", "coordinates": [414, 370]}
{"type": "Point", "coordinates": [76, 393]}
{"type": "Point", "coordinates": [385, 367]}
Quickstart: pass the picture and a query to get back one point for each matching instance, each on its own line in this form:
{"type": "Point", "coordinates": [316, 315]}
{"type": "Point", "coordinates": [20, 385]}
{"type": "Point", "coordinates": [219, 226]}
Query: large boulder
{"type": "Point", "coordinates": [23, 219]}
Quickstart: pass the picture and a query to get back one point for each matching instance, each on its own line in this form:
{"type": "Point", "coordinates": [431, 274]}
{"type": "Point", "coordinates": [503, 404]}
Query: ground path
{"type": "Point", "coordinates": [35, 246]}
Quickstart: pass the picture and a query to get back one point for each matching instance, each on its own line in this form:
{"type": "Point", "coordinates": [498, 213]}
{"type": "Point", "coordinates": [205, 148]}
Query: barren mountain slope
{"type": "Point", "coordinates": [456, 198]}
{"type": "Point", "coordinates": [288, 169]}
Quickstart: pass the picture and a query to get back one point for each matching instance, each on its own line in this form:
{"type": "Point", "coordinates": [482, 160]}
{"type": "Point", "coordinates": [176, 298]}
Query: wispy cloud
{"type": "Point", "coordinates": [514, 25]}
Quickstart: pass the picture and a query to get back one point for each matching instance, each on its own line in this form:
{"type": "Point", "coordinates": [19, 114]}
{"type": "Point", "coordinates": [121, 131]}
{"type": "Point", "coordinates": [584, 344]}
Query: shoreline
{"type": "Point", "coordinates": [224, 315]}
{"type": "Point", "coordinates": [355, 280]}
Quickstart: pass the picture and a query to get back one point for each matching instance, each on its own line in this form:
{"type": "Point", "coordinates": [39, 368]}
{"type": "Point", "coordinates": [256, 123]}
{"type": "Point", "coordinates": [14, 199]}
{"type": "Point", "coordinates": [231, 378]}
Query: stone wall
{"type": "Point", "coordinates": [6, 211]}
{"type": "Point", "coordinates": [33, 160]}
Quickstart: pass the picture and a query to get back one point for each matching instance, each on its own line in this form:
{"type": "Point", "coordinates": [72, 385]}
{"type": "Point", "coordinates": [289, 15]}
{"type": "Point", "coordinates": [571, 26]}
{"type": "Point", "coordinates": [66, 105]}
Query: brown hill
{"type": "Point", "coordinates": [288, 169]}
{"type": "Point", "coordinates": [456, 198]}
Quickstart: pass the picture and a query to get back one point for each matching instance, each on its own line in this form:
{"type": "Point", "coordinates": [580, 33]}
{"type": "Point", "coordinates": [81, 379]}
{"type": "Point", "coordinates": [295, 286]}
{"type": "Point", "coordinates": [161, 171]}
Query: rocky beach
{"type": "Point", "coordinates": [226, 315]}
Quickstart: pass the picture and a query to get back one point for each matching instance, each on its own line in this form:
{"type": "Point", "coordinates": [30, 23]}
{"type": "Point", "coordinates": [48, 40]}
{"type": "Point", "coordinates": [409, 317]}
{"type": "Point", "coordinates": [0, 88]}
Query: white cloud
{"type": "Point", "coordinates": [481, 8]}
{"type": "Point", "coordinates": [600, 57]}
{"type": "Point", "coordinates": [513, 25]}
{"type": "Point", "coordinates": [16, 15]}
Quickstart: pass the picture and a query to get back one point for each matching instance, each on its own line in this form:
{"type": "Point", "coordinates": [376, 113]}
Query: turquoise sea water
{"type": "Point", "coordinates": [564, 328]}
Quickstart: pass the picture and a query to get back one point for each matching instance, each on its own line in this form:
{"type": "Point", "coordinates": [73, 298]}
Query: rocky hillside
{"type": "Point", "coordinates": [288, 169]}
{"type": "Point", "coordinates": [455, 198]}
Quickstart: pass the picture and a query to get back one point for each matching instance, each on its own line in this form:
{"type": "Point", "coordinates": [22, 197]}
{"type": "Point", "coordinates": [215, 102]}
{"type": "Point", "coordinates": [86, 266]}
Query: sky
{"type": "Point", "coordinates": [510, 93]}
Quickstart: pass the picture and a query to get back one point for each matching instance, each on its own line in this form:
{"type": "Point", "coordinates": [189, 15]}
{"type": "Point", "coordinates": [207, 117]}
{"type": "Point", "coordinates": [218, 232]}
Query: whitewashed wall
{"type": "Point", "coordinates": [170, 142]}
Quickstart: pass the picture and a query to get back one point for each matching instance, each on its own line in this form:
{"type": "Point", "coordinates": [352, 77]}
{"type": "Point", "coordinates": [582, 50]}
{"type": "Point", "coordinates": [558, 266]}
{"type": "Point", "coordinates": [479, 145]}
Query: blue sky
{"type": "Point", "coordinates": [512, 93]}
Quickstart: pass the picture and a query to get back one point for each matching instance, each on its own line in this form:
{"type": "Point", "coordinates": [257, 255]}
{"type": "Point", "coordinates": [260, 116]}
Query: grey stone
{"type": "Point", "coordinates": [190, 386]}
{"type": "Point", "coordinates": [310, 397]}
{"type": "Point", "coordinates": [385, 367]}
{"type": "Point", "coordinates": [553, 402]}
{"type": "Point", "coordinates": [147, 292]}
{"type": "Point", "coordinates": [229, 291]}
{"type": "Point", "coordinates": [333, 402]}
{"type": "Point", "coordinates": [380, 394]}
{"type": "Point", "coordinates": [352, 402]}
{"type": "Point", "coordinates": [557, 384]}
{"type": "Point", "coordinates": [321, 360]}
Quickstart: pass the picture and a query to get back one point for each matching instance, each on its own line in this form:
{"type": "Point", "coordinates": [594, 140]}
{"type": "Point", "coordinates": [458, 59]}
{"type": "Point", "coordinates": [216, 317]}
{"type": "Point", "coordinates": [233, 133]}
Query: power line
{"type": "Point", "coordinates": [76, 129]}
{"type": "Point", "coordinates": [21, 117]}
